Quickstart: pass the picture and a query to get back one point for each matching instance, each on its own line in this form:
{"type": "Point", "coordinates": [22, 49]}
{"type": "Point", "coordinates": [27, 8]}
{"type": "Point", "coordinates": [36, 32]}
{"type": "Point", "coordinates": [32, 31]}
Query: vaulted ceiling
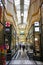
{"type": "Point", "coordinates": [18, 11]}
{"type": "Point", "coordinates": [22, 7]}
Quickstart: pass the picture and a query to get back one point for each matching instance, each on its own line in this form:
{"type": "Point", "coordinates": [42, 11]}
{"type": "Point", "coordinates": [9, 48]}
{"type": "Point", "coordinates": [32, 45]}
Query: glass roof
{"type": "Point", "coordinates": [18, 15]}
{"type": "Point", "coordinates": [26, 6]}
{"type": "Point", "coordinates": [17, 4]}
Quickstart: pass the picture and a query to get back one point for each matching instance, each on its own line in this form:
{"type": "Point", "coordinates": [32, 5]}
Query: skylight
{"type": "Point", "coordinates": [26, 6]}
{"type": "Point", "coordinates": [17, 4]}
{"type": "Point", "coordinates": [18, 15]}
{"type": "Point", "coordinates": [25, 16]}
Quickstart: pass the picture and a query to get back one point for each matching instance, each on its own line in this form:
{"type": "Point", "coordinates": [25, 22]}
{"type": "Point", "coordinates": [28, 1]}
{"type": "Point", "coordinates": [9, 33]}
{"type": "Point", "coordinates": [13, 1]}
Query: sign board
{"type": "Point", "coordinates": [7, 24]}
{"type": "Point", "coordinates": [37, 29]}
{"type": "Point", "coordinates": [36, 24]}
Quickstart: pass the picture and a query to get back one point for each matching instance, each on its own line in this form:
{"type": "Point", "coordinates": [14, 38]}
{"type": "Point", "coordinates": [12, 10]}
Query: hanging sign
{"type": "Point", "coordinates": [7, 24]}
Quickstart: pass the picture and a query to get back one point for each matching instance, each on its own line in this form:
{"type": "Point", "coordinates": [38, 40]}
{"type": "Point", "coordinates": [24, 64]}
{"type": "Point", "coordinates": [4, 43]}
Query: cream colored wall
{"type": "Point", "coordinates": [33, 13]}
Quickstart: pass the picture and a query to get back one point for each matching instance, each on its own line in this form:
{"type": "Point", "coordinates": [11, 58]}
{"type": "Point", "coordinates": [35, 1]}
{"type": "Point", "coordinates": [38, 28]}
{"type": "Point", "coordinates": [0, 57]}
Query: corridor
{"type": "Point", "coordinates": [23, 59]}
{"type": "Point", "coordinates": [21, 32]}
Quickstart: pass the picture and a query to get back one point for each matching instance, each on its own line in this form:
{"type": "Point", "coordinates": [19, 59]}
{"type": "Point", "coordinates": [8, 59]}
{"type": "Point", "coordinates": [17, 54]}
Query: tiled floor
{"type": "Point", "coordinates": [13, 62]}
{"type": "Point", "coordinates": [24, 60]}
{"type": "Point", "coordinates": [7, 62]}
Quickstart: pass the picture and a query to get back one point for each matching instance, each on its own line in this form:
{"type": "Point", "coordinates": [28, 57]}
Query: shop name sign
{"type": "Point", "coordinates": [7, 24]}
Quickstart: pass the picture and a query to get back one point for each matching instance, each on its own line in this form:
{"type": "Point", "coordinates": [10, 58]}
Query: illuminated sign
{"type": "Point", "coordinates": [7, 24]}
{"type": "Point", "coordinates": [36, 29]}
{"type": "Point", "coordinates": [7, 29]}
{"type": "Point", "coordinates": [36, 24]}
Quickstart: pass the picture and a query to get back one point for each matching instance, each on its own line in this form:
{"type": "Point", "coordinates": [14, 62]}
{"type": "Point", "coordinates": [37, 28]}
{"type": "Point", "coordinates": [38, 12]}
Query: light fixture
{"type": "Point", "coordinates": [22, 14]}
{"type": "Point", "coordinates": [36, 29]}
{"type": "Point", "coordinates": [36, 39]}
{"type": "Point", "coordinates": [22, 26]}
{"type": "Point", "coordinates": [1, 3]}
